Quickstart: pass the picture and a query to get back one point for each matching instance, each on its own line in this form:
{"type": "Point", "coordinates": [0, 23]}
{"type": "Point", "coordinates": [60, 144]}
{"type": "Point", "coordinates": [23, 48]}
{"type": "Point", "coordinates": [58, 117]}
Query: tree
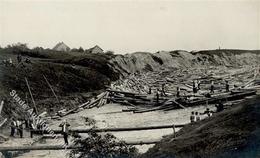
{"type": "Point", "coordinates": [110, 52]}
{"type": "Point", "coordinates": [81, 49]}
{"type": "Point", "coordinates": [102, 146]}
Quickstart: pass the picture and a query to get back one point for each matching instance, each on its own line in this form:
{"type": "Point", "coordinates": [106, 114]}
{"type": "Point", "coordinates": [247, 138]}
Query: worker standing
{"type": "Point", "coordinates": [194, 87]}
{"type": "Point", "coordinates": [192, 117]}
{"type": "Point", "coordinates": [178, 92]}
{"type": "Point", "coordinates": [227, 86]}
{"type": "Point", "coordinates": [65, 131]}
{"type": "Point", "coordinates": [212, 87]}
{"type": "Point", "coordinates": [163, 90]}
{"type": "Point", "coordinates": [197, 116]}
{"type": "Point", "coordinates": [13, 127]}
{"type": "Point", "coordinates": [219, 106]}
{"type": "Point", "coordinates": [150, 90]}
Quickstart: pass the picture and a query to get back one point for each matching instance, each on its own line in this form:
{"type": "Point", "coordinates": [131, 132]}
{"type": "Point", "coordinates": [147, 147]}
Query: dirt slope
{"type": "Point", "coordinates": [232, 133]}
{"type": "Point", "coordinates": [142, 61]}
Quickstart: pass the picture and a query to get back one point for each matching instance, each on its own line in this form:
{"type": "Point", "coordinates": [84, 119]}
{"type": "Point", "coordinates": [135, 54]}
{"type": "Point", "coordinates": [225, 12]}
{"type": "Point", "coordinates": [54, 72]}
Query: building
{"type": "Point", "coordinates": [61, 47]}
{"type": "Point", "coordinates": [95, 49]}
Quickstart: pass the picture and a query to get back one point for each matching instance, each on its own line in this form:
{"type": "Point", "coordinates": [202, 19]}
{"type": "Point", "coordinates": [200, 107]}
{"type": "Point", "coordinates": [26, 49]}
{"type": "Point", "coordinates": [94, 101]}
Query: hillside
{"type": "Point", "coordinates": [142, 61]}
{"type": "Point", "coordinates": [73, 76]}
{"type": "Point", "coordinates": [232, 133]}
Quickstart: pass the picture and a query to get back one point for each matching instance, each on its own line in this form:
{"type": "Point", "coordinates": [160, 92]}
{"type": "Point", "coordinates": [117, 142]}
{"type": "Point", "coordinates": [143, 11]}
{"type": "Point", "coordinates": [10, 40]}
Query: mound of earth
{"type": "Point", "coordinates": [231, 133]}
{"type": "Point", "coordinates": [143, 61]}
{"type": "Point", "coordinates": [74, 77]}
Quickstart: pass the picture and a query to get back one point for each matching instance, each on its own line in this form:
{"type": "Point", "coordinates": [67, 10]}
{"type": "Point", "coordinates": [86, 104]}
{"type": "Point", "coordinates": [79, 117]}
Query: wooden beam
{"type": "Point", "coordinates": [114, 129]}
{"type": "Point", "coordinates": [51, 88]}
{"type": "Point", "coordinates": [27, 83]}
{"type": "Point", "coordinates": [58, 147]}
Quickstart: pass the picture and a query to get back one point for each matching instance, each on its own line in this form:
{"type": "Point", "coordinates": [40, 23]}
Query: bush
{"type": "Point", "coordinates": [102, 146]}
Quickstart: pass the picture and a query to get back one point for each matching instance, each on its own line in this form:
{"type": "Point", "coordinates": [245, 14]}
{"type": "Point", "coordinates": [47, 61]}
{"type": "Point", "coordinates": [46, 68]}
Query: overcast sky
{"type": "Point", "coordinates": [128, 26]}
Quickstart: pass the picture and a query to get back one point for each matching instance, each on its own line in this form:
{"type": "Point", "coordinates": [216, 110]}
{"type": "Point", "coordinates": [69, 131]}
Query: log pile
{"type": "Point", "coordinates": [133, 91]}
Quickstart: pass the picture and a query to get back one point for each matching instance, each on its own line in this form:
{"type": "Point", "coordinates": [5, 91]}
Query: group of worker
{"type": "Point", "coordinates": [18, 126]}
{"type": "Point", "coordinates": [195, 116]}
{"type": "Point", "coordinates": [9, 62]}
{"type": "Point", "coordinates": [196, 86]}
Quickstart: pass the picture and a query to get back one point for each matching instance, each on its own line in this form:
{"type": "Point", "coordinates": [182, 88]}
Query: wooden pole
{"type": "Point", "coordinates": [58, 147]}
{"type": "Point", "coordinates": [173, 126]}
{"type": "Point", "coordinates": [27, 83]}
{"type": "Point", "coordinates": [1, 106]}
{"type": "Point", "coordinates": [51, 88]}
{"type": "Point", "coordinates": [113, 129]}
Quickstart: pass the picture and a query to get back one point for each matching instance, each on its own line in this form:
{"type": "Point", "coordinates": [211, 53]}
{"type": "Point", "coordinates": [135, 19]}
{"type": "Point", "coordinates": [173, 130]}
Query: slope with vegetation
{"type": "Point", "coordinates": [231, 133]}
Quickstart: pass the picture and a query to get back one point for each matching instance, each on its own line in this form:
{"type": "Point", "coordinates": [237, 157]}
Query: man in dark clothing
{"type": "Point", "coordinates": [65, 131]}
{"type": "Point", "coordinates": [20, 127]}
{"type": "Point", "coordinates": [192, 117]}
{"type": "Point", "coordinates": [212, 87]}
{"type": "Point", "coordinates": [194, 88]}
{"type": "Point", "coordinates": [227, 86]}
{"type": "Point", "coordinates": [219, 106]}
{"type": "Point", "coordinates": [178, 92]}
{"type": "Point", "coordinates": [13, 126]}
{"type": "Point", "coordinates": [150, 90]}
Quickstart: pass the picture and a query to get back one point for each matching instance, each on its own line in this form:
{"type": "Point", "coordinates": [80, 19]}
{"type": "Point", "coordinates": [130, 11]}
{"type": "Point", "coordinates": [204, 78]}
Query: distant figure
{"type": "Point", "coordinates": [150, 90]}
{"type": "Point", "coordinates": [31, 127]}
{"type": "Point", "coordinates": [178, 92]}
{"type": "Point", "coordinates": [65, 131]}
{"type": "Point", "coordinates": [13, 127]}
{"type": "Point", "coordinates": [192, 117]}
{"type": "Point", "coordinates": [163, 90]}
{"type": "Point", "coordinates": [219, 106]}
{"type": "Point", "coordinates": [198, 85]}
{"type": "Point", "coordinates": [194, 88]}
{"type": "Point", "coordinates": [207, 112]}
{"type": "Point", "coordinates": [227, 86]}
{"type": "Point", "coordinates": [197, 116]}
{"type": "Point", "coordinates": [19, 125]}
{"type": "Point", "coordinates": [212, 87]}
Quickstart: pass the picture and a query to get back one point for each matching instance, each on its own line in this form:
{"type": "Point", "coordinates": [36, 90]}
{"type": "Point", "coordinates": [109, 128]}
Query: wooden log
{"type": "Point", "coordinates": [58, 147]}
{"type": "Point", "coordinates": [28, 86]}
{"type": "Point", "coordinates": [1, 106]}
{"type": "Point", "coordinates": [51, 88]}
{"type": "Point", "coordinates": [113, 129]}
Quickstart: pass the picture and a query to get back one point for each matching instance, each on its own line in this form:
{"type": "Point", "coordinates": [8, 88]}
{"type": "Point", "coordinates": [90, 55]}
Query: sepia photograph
{"type": "Point", "coordinates": [129, 78]}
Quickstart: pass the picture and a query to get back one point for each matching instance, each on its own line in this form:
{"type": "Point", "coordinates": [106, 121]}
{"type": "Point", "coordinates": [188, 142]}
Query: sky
{"type": "Point", "coordinates": [126, 26]}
